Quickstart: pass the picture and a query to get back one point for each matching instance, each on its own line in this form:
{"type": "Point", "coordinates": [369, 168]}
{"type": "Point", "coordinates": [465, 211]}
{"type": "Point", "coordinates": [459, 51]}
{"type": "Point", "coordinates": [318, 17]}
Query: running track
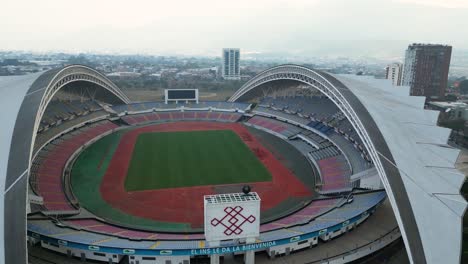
{"type": "Point", "coordinates": [185, 205]}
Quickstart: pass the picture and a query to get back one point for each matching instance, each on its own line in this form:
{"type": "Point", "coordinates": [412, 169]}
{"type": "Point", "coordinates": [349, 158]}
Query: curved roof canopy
{"type": "Point", "coordinates": [409, 150]}
{"type": "Point", "coordinates": [24, 100]}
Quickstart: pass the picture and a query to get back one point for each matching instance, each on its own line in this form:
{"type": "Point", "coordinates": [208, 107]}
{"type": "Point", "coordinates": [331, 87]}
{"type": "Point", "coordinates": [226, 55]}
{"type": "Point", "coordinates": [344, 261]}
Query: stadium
{"type": "Point", "coordinates": [344, 165]}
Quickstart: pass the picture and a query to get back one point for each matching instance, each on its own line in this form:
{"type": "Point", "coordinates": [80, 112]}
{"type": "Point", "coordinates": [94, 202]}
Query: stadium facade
{"type": "Point", "coordinates": [26, 98]}
{"type": "Point", "coordinates": [409, 151]}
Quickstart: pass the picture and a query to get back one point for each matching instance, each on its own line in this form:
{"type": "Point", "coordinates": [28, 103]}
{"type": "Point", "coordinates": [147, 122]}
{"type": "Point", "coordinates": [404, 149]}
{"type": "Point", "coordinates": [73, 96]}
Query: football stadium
{"type": "Point", "coordinates": [344, 165]}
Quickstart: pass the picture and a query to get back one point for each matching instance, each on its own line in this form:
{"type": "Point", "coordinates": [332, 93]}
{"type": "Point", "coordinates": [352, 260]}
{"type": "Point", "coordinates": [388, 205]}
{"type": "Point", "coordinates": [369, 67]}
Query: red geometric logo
{"type": "Point", "coordinates": [233, 220]}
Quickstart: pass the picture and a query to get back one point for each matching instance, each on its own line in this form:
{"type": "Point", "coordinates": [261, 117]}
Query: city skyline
{"type": "Point", "coordinates": [283, 27]}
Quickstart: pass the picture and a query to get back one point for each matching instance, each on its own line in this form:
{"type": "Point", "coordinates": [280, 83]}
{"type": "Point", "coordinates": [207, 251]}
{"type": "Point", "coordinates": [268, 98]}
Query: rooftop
{"type": "Point", "coordinates": [449, 104]}
{"type": "Point", "coordinates": [231, 198]}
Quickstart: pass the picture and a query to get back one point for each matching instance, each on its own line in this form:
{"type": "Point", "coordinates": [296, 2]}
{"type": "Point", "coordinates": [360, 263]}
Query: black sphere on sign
{"type": "Point", "coordinates": [246, 189]}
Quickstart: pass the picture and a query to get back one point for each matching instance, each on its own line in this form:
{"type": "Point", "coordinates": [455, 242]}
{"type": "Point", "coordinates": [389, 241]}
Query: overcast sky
{"type": "Point", "coordinates": [203, 27]}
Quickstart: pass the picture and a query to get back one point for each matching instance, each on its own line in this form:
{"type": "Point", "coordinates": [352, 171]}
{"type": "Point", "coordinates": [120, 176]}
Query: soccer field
{"type": "Point", "coordinates": [195, 158]}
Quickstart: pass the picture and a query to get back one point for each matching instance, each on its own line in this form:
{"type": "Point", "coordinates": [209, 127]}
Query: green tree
{"type": "Point", "coordinates": [457, 124]}
{"type": "Point", "coordinates": [451, 97]}
{"type": "Point", "coordinates": [463, 87]}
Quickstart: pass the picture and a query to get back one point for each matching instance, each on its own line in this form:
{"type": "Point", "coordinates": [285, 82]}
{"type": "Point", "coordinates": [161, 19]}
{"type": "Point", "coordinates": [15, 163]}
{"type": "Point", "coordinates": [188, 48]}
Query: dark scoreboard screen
{"type": "Point", "coordinates": [181, 94]}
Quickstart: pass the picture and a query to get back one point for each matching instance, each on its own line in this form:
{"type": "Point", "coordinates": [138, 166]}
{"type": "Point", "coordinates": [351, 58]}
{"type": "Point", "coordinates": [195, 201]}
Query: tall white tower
{"type": "Point", "coordinates": [230, 68]}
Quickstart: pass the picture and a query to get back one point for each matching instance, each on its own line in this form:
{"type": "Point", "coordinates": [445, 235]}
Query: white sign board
{"type": "Point", "coordinates": [232, 216]}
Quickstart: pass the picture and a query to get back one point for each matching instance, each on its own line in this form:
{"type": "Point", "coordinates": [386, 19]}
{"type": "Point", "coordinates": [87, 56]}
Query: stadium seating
{"type": "Point", "coordinates": [292, 117]}
{"type": "Point", "coordinates": [148, 106]}
{"type": "Point", "coordinates": [59, 111]}
{"type": "Point", "coordinates": [353, 153]}
{"type": "Point", "coordinates": [48, 133]}
{"type": "Point", "coordinates": [47, 169]}
{"type": "Point", "coordinates": [335, 173]}
{"type": "Point", "coordinates": [315, 138]}
{"type": "Point", "coordinates": [316, 107]}
{"type": "Point", "coordinates": [318, 215]}
{"type": "Point", "coordinates": [303, 216]}
{"type": "Point", "coordinates": [104, 228]}
{"type": "Point", "coordinates": [324, 150]}
{"type": "Point", "coordinates": [137, 119]}
{"type": "Point", "coordinates": [327, 120]}
{"type": "Point", "coordinates": [311, 211]}
{"type": "Point", "coordinates": [332, 164]}
{"type": "Point", "coordinates": [274, 125]}
{"type": "Point", "coordinates": [268, 124]}
{"type": "Point", "coordinates": [323, 153]}
{"type": "Point", "coordinates": [314, 210]}
{"type": "Point", "coordinates": [319, 126]}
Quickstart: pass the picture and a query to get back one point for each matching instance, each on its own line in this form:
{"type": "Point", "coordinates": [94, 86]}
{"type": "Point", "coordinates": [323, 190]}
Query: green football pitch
{"type": "Point", "coordinates": [195, 158]}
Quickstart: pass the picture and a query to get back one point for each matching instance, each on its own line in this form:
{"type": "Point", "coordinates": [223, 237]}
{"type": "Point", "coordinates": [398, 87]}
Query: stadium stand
{"type": "Point", "coordinates": [319, 214]}
{"type": "Point", "coordinates": [319, 126]}
{"type": "Point", "coordinates": [47, 134]}
{"type": "Point", "coordinates": [138, 119]}
{"type": "Point", "coordinates": [303, 216]}
{"type": "Point", "coordinates": [161, 106]}
{"type": "Point", "coordinates": [328, 120]}
{"type": "Point", "coordinates": [59, 111]}
{"type": "Point", "coordinates": [335, 173]}
{"type": "Point", "coordinates": [279, 127]}
{"type": "Point", "coordinates": [312, 124]}
{"type": "Point", "coordinates": [315, 139]}
{"type": "Point", "coordinates": [292, 117]}
{"type": "Point", "coordinates": [315, 107]}
{"type": "Point", "coordinates": [323, 153]}
{"type": "Point", "coordinates": [47, 169]}
{"type": "Point", "coordinates": [46, 172]}
{"type": "Point", "coordinates": [356, 158]}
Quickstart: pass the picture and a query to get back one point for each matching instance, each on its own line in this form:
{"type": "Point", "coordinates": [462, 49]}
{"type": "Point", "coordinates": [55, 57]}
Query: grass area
{"type": "Point", "coordinates": [195, 158]}
{"type": "Point", "coordinates": [87, 174]}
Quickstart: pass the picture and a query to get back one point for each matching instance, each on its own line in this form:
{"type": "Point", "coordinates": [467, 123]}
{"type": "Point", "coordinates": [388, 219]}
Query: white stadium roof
{"type": "Point", "coordinates": [425, 162]}
{"type": "Point", "coordinates": [410, 152]}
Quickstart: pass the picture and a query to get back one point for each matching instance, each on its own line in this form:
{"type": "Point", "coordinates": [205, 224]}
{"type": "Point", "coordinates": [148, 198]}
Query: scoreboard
{"type": "Point", "coordinates": [181, 95]}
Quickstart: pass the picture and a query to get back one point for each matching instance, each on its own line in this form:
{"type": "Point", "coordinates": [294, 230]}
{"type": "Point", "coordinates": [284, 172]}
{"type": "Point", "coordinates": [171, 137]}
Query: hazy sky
{"type": "Point", "coordinates": [203, 27]}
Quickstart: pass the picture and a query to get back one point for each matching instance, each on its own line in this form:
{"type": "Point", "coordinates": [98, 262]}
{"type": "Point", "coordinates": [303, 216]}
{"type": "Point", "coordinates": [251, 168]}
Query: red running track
{"type": "Point", "coordinates": [185, 205]}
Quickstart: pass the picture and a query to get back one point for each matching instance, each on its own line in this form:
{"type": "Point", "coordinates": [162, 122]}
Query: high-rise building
{"type": "Point", "coordinates": [426, 69]}
{"type": "Point", "coordinates": [230, 70]}
{"type": "Point", "coordinates": [394, 72]}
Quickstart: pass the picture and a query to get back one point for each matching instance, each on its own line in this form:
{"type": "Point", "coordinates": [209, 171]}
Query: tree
{"type": "Point", "coordinates": [457, 124]}
{"type": "Point", "coordinates": [80, 59]}
{"type": "Point", "coordinates": [451, 97]}
{"type": "Point", "coordinates": [463, 87]}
